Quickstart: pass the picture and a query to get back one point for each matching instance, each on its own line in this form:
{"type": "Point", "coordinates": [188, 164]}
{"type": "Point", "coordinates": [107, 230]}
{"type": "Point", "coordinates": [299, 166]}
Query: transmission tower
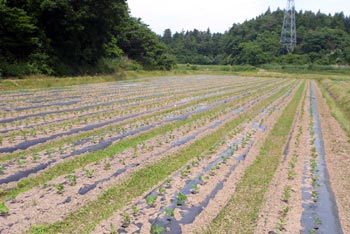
{"type": "Point", "coordinates": [289, 31]}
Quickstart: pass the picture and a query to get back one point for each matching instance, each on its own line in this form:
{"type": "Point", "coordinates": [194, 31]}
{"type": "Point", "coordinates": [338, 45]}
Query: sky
{"type": "Point", "coordinates": [218, 15]}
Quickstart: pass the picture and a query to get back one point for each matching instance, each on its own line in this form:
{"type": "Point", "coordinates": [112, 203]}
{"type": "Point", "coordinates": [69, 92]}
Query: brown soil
{"type": "Point", "coordinates": [274, 205]}
{"type": "Point", "coordinates": [221, 198]}
{"type": "Point", "coordinates": [337, 147]}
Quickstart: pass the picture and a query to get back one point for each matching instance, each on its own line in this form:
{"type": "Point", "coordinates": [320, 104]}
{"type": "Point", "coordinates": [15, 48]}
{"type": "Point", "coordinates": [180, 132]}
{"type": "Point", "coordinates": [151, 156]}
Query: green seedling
{"type": "Point", "coordinates": [151, 200]}
{"type": "Point", "coordinates": [281, 223]}
{"type": "Point", "coordinates": [134, 210]}
{"type": "Point", "coordinates": [126, 220]}
{"type": "Point", "coordinates": [162, 190]}
{"type": "Point", "coordinates": [317, 221]}
{"type": "Point", "coordinates": [112, 227]}
{"type": "Point", "coordinates": [194, 189]}
{"type": "Point", "coordinates": [4, 210]}
{"type": "Point", "coordinates": [285, 211]}
{"type": "Point", "coordinates": [168, 182]}
{"type": "Point", "coordinates": [72, 180]}
{"type": "Point", "coordinates": [181, 199]}
{"type": "Point", "coordinates": [156, 229]}
{"type": "Point", "coordinates": [89, 173]}
{"type": "Point", "coordinates": [170, 214]}
{"type": "Point", "coordinates": [291, 175]}
{"type": "Point", "coordinates": [59, 188]}
{"type": "Point", "coordinates": [107, 166]}
{"type": "Point", "coordinates": [2, 170]}
{"type": "Point", "coordinates": [35, 157]}
{"type": "Point", "coordinates": [287, 194]}
{"type": "Point", "coordinates": [314, 195]}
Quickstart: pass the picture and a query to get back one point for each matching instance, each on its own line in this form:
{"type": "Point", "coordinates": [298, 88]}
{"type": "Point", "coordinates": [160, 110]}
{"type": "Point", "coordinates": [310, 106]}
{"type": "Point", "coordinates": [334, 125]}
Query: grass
{"type": "Point", "coordinates": [338, 110]}
{"type": "Point", "coordinates": [86, 218]}
{"type": "Point", "coordinates": [241, 213]}
{"type": "Point", "coordinates": [81, 161]}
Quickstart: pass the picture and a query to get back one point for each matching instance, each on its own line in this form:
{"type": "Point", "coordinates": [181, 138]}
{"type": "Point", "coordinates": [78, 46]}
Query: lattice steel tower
{"type": "Point", "coordinates": [289, 30]}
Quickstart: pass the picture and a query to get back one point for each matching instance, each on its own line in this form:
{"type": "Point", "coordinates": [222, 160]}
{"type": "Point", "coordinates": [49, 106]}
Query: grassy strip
{"type": "Point", "coordinates": [41, 81]}
{"type": "Point", "coordinates": [86, 218]}
{"type": "Point", "coordinates": [81, 161]}
{"type": "Point", "coordinates": [65, 140]}
{"type": "Point", "coordinates": [241, 213]}
{"type": "Point", "coordinates": [337, 111]}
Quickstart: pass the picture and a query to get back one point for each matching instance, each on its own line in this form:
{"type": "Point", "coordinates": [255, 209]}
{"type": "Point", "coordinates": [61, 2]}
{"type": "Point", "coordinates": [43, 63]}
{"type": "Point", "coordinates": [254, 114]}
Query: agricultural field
{"type": "Point", "coordinates": [194, 154]}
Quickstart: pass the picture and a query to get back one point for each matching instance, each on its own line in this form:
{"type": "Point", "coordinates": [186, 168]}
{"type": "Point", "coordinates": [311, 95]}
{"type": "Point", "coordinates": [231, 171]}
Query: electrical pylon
{"type": "Point", "coordinates": [289, 30]}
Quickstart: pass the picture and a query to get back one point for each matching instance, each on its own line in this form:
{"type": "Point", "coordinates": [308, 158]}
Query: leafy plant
{"type": "Point", "coordinates": [72, 180]}
{"type": "Point", "coordinates": [2, 170]}
{"type": "Point", "coordinates": [194, 189]}
{"type": "Point", "coordinates": [89, 173]}
{"type": "Point", "coordinates": [156, 229]}
{"type": "Point", "coordinates": [287, 193]}
{"type": "Point", "coordinates": [181, 199]}
{"type": "Point", "coordinates": [162, 190]}
{"type": "Point", "coordinates": [113, 231]}
{"type": "Point", "coordinates": [134, 210]}
{"type": "Point", "coordinates": [107, 166]}
{"type": "Point", "coordinates": [4, 210]}
{"type": "Point", "coordinates": [59, 188]}
{"type": "Point", "coordinates": [170, 213]}
{"type": "Point", "coordinates": [151, 200]}
{"type": "Point", "coordinates": [126, 220]}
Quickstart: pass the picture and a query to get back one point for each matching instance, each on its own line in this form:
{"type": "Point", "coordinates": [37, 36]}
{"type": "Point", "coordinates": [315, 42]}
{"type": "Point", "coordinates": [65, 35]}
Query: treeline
{"type": "Point", "coordinates": [70, 37]}
{"type": "Point", "coordinates": [321, 39]}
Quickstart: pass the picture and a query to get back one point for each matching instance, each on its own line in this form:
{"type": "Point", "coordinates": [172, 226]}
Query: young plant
{"type": "Point", "coordinates": [59, 188]}
{"type": "Point", "coordinates": [113, 231]}
{"type": "Point", "coordinates": [194, 189]}
{"type": "Point", "coordinates": [151, 200]}
{"type": "Point", "coordinates": [2, 170]}
{"type": "Point", "coordinates": [107, 166]}
{"type": "Point", "coordinates": [156, 229]}
{"type": "Point", "coordinates": [162, 190]}
{"type": "Point", "coordinates": [72, 180]}
{"type": "Point", "coordinates": [89, 173]}
{"type": "Point", "coordinates": [287, 194]}
{"type": "Point", "coordinates": [181, 199]}
{"type": "Point", "coordinates": [134, 210]}
{"type": "Point", "coordinates": [4, 210]}
{"type": "Point", "coordinates": [168, 183]}
{"type": "Point", "coordinates": [170, 214]}
{"type": "Point", "coordinates": [126, 220]}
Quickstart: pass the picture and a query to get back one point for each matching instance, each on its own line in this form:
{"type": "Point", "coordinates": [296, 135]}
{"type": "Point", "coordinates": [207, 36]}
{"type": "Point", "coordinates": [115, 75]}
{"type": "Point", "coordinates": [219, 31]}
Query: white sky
{"type": "Point", "coordinates": [218, 15]}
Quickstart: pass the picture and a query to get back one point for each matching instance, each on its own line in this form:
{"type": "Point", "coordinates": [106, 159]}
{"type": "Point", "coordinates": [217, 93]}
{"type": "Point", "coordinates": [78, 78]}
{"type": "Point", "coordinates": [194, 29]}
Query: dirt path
{"type": "Point", "coordinates": [337, 147]}
{"type": "Point", "coordinates": [279, 213]}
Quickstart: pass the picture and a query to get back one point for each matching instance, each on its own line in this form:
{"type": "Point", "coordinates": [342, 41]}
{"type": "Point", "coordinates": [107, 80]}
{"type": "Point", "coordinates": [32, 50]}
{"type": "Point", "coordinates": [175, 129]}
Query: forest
{"type": "Point", "coordinates": [72, 37]}
{"type": "Point", "coordinates": [321, 39]}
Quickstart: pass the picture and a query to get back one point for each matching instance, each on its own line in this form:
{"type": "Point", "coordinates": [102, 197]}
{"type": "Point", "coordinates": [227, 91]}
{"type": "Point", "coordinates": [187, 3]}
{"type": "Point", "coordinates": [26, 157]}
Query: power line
{"type": "Point", "coordinates": [289, 32]}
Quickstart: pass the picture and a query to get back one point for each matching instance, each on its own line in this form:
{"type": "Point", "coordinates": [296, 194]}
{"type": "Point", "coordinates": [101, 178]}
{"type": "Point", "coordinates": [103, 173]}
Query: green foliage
{"type": "Point", "coordinates": [4, 210]}
{"type": "Point", "coordinates": [74, 37]}
{"type": "Point", "coordinates": [322, 39]}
